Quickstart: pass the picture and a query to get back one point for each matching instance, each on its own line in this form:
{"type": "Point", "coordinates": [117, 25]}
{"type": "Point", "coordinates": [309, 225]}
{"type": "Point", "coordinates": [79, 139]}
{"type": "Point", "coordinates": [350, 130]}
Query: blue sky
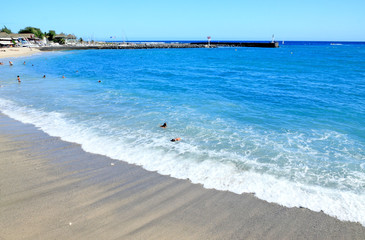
{"type": "Point", "coordinates": [192, 20]}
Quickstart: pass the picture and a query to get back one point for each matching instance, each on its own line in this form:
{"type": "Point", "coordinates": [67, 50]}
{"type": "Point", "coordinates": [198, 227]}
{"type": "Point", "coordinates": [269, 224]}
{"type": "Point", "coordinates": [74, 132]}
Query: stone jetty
{"type": "Point", "coordinates": [157, 45]}
{"type": "Point", "coordinates": [124, 46]}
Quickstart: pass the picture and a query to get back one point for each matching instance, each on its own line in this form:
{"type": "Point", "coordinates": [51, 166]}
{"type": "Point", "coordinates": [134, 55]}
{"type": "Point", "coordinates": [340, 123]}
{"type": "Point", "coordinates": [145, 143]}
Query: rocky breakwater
{"type": "Point", "coordinates": [123, 46]}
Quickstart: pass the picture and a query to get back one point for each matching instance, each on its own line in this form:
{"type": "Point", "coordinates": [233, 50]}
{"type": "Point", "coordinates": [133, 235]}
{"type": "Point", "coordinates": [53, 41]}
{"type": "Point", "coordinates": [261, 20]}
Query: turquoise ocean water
{"type": "Point", "coordinates": [287, 124]}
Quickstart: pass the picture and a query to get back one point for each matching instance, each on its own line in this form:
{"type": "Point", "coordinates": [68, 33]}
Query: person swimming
{"type": "Point", "coordinates": [18, 79]}
{"type": "Point", "coordinates": [164, 125]}
{"type": "Point", "coordinates": [10, 63]}
{"type": "Point", "coordinates": [175, 139]}
{"type": "Point", "coordinates": [44, 76]}
{"type": "Point", "coordinates": [63, 76]}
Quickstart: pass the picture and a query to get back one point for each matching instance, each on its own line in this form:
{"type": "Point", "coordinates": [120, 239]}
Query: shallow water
{"type": "Point", "coordinates": [287, 124]}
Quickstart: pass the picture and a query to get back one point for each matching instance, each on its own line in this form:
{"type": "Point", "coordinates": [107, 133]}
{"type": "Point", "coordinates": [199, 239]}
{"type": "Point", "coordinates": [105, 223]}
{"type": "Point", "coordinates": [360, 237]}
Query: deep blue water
{"type": "Point", "coordinates": [287, 124]}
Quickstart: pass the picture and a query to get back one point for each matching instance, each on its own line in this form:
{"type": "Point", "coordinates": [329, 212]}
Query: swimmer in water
{"type": "Point", "coordinates": [10, 63]}
{"type": "Point", "coordinates": [164, 125]}
{"type": "Point", "coordinates": [24, 62]}
{"type": "Point", "coordinates": [175, 139]}
{"type": "Point", "coordinates": [1, 63]}
{"type": "Point", "coordinates": [44, 76]}
{"type": "Point", "coordinates": [18, 79]}
{"type": "Point", "coordinates": [63, 76]}
{"type": "Point", "coordinates": [99, 81]}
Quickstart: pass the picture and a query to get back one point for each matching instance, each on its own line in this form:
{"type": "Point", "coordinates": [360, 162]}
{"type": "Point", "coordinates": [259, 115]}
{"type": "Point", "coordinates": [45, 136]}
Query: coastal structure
{"type": "Point", "coordinates": [68, 39]}
{"type": "Point", "coordinates": [122, 46]}
{"type": "Point", "coordinates": [5, 40]}
{"type": "Point", "coordinates": [24, 39]}
{"type": "Point", "coordinates": [150, 45]}
{"type": "Point", "coordinates": [64, 41]}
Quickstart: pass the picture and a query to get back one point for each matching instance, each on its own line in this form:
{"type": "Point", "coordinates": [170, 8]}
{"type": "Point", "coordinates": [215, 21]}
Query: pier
{"type": "Point", "coordinates": [159, 45]}
{"type": "Point", "coordinates": [123, 46]}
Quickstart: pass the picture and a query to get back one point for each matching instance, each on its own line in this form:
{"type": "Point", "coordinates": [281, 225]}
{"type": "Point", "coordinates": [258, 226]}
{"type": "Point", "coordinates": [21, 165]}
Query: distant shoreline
{"type": "Point", "coordinates": [289, 42]}
{"type": "Point", "coordinates": [25, 51]}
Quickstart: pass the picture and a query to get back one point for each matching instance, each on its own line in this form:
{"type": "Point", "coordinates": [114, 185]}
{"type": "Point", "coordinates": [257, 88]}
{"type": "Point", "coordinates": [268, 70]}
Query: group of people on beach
{"type": "Point", "coordinates": [174, 139]}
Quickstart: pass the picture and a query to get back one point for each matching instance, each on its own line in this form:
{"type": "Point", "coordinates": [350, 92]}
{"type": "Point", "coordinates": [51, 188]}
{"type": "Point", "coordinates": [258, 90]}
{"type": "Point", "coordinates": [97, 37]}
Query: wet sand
{"type": "Point", "coordinates": [51, 189]}
{"type": "Point", "coordinates": [6, 53]}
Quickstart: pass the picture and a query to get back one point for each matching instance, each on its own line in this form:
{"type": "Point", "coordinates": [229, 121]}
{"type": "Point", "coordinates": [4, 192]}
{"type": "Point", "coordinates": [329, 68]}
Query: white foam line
{"type": "Point", "coordinates": [344, 205]}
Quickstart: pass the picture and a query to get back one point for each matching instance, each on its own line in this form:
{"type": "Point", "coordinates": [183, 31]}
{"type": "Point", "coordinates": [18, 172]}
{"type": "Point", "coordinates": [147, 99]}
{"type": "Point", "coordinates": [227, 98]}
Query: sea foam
{"type": "Point", "coordinates": [232, 171]}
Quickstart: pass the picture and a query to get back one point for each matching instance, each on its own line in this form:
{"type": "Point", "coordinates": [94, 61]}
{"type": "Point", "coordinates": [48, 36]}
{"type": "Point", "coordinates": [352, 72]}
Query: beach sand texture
{"type": "Point", "coordinates": [17, 52]}
{"type": "Point", "coordinates": [51, 189]}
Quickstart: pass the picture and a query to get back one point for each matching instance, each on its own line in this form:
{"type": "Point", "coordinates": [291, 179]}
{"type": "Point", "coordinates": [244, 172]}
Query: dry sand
{"type": "Point", "coordinates": [16, 52]}
{"type": "Point", "coordinates": [50, 189]}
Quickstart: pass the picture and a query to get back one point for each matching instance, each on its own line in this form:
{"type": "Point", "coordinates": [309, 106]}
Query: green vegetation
{"type": "Point", "coordinates": [5, 30]}
{"type": "Point", "coordinates": [36, 31]}
{"type": "Point", "coordinates": [51, 34]}
{"type": "Point", "coordinates": [81, 40]}
{"type": "Point", "coordinates": [59, 40]}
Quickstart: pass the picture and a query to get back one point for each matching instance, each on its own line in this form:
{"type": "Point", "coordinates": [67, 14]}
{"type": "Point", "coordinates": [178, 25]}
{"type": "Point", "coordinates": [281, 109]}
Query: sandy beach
{"type": "Point", "coordinates": [51, 189]}
{"type": "Point", "coordinates": [17, 52]}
